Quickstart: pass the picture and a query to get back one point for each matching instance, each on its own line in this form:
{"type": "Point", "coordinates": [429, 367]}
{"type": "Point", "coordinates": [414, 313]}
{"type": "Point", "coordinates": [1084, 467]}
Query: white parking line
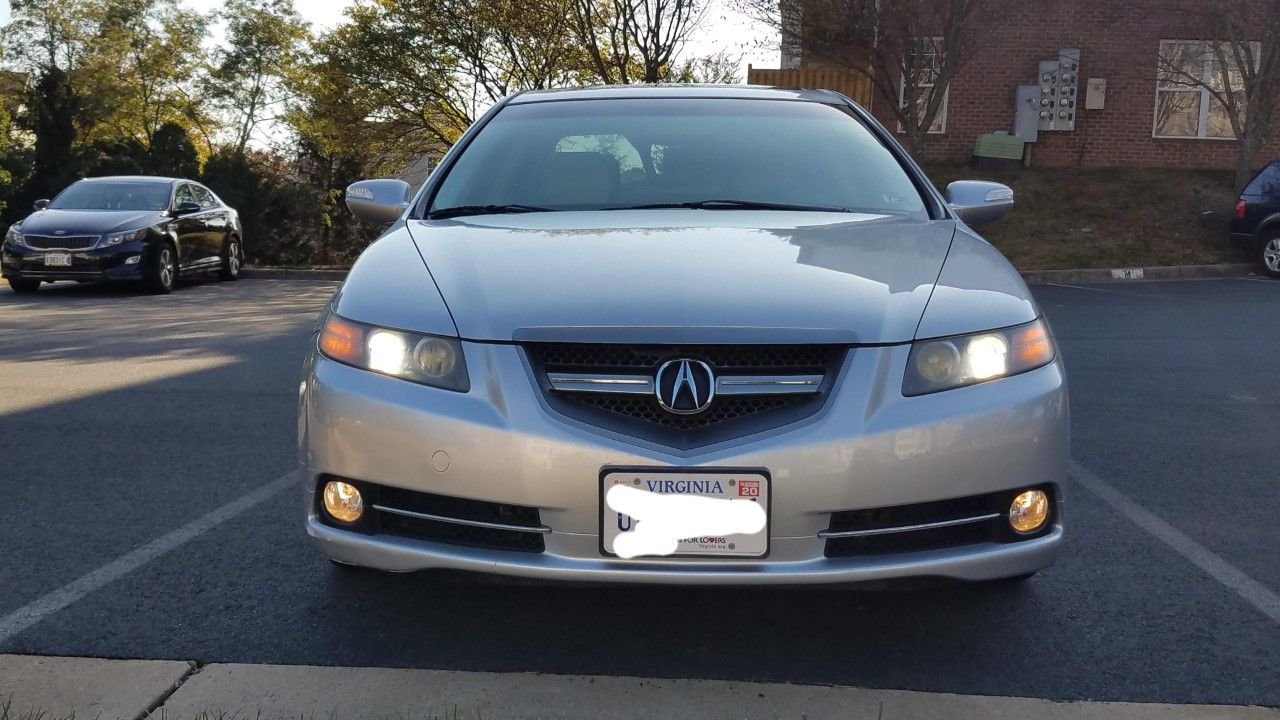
{"type": "Point", "coordinates": [41, 608]}
{"type": "Point", "coordinates": [1235, 579]}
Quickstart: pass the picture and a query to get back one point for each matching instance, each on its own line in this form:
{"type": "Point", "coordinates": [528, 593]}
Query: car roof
{"type": "Point", "coordinates": [681, 90]}
{"type": "Point", "coordinates": [136, 179]}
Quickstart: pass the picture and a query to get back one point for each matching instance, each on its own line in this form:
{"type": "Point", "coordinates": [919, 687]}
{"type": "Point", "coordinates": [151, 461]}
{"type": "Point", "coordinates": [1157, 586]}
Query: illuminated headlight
{"type": "Point", "coordinates": [946, 363]}
{"type": "Point", "coordinates": [426, 359]}
{"type": "Point", "coordinates": [124, 237]}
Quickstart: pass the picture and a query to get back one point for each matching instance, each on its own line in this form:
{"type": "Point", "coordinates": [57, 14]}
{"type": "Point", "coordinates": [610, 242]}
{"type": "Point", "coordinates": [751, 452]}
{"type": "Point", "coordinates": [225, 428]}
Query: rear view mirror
{"type": "Point", "coordinates": [978, 202]}
{"type": "Point", "coordinates": [380, 201]}
{"type": "Point", "coordinates": [40, 204]}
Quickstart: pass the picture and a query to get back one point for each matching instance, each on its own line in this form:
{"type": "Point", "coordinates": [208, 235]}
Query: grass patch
{"type": "Point", "coordinates": [1110, 217]}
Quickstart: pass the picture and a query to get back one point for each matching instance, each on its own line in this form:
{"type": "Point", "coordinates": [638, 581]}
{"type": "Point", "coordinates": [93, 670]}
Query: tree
{"type": "Point", "coordinates": [265, 43]}
{"type": "Point", "coordinates": [172, 153]}
{"type": "Point", "coordinates": [634, 40]}
{"type": "Point", "coordinates": [910, 50]}
{"type": "Point", "coordinates": [722, 68]}
{"type": "Point", "coordinates": [53, 106]}
{"type": "Point", "coordinates": [1239, 71]}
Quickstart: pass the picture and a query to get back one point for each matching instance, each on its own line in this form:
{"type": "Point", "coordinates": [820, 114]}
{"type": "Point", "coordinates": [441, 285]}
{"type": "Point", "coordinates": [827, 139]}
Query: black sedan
{"type": "Point", "coordinates": [147, 229]}
{"type": "Point", "coordinates": [1256, 225]}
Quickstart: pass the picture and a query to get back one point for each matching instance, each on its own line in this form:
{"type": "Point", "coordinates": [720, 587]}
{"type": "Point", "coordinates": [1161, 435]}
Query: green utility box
{"type": "Point", "coordinates": [998, 151]}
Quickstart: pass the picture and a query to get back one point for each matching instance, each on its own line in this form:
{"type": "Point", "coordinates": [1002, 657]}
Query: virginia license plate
{"type": "Point", "coordinates": [57, 260]}
{"type": "Point", "coordinates": [752, 486]}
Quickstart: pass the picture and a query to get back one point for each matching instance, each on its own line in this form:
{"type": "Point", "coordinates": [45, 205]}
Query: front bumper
{"type": "Point", "coordinates": [868, 448]}
{"type": "Point", "coordinates": [94, 264]}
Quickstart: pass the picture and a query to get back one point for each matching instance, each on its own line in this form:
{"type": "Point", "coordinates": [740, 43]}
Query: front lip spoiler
{"type": "Point", "coordinates": [971, 563]}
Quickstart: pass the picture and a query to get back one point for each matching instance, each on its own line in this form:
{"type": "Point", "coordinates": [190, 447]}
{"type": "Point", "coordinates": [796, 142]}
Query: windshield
{"type": "Point", "coordinates": [113, 196]}
{"type": "Point", "coordinates": [715, 153]}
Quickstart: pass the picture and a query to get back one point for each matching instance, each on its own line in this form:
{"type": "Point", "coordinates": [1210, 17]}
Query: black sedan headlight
{"type": "Point", "coordinates": [124, 237]}
{"type": "Point", "coordinates": [425, 359]}
{"type": "Point", "coordinates": [946, 363]}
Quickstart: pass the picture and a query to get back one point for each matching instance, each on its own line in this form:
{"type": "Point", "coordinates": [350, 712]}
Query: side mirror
{"type": "Point", "coordinates": [40, 204]}
{"type": "Point", "coordinates": [380, 201]}
{"type": "Point", "coordinates": [186, 208]}
{"type": "Point", "coordinates": [978, 202]}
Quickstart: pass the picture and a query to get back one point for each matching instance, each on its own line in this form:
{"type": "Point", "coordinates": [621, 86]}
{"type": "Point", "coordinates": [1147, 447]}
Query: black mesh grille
{"type": "Point", "coordinates": [450, 533]}
{"type": "Point", "coordinates": [70, 242]}
{"type": "Point", "coordinates": [995, 530]}
{"type": "Point", "coordinates": [644, 410]}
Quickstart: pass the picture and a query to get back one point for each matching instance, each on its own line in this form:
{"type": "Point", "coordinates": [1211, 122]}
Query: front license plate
{"type": "Point", "coordinates": [667, 487]}
{"type": "Point", "coordinates": [57, 260]}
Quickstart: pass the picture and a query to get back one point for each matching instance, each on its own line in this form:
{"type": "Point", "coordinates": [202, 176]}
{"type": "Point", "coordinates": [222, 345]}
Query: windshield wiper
{"type": "Point", "coordinates": [734, 205]}
{"type": "Point", "coordinates": [461, 210]}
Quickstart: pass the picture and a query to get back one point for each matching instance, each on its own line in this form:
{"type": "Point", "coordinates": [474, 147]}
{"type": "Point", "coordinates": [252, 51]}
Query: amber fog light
{"type": "Point", "coordinates": [342, 501]}
{"type": "Point", "coordinates": [1029, 511]}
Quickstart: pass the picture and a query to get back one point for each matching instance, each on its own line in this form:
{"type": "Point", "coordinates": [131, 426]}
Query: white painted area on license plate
{"type": "Point", "coordinates": [724, 486]}
{"type": "Point", "coordinates": [57, 260]}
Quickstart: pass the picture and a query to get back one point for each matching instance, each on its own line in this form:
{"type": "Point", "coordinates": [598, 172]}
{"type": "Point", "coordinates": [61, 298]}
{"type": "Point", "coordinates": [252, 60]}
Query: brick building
{"type": "Point", "coordinates": [1141, 122]}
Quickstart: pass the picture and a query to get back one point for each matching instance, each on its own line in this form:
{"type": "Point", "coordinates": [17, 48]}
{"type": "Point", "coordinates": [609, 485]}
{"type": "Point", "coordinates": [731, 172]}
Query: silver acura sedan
{"type": "Point", "coordinates": [723, 335]}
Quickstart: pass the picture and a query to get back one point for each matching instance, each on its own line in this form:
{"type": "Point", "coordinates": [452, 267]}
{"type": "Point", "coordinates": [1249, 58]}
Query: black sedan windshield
{"type": "Point", "coordinates": [113, 196]}
{"type": "Point", "coordinates": [714, 154]}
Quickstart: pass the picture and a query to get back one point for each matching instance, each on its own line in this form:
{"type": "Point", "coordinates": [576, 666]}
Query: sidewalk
{"type": "Point", "coordinates": [132, 689]}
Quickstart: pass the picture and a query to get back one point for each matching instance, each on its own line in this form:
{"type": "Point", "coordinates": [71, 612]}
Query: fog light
{"type": "Point", "coordinates": [1029, 511]}
{"type": "Point", "coordinates": [342, 501]}
{"type": "Point", "coordinates": [133, 260]}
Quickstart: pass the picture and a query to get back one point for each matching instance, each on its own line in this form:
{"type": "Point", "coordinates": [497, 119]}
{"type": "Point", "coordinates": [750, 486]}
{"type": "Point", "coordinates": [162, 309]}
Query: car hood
{"type": "Point", "coordinates": [88, 222]}
{"type": "Point", "coordinates": [685, 275]}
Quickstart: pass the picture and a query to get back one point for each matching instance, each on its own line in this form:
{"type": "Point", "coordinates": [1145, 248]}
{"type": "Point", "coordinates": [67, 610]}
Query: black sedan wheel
{"type": "Point", "coordinates": [230, 259]}
{"type": "Point", "coordinates": [162, 272]}
{"type": "Point", "coordinates": [1271, 255]}
{"type": "Point", "coordinates": [24, 285]}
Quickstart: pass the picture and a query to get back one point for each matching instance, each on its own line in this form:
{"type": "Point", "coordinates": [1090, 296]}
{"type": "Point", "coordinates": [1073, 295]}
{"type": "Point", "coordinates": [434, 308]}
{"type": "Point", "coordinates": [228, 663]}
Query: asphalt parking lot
{"type": "Point", "coordinates": [126, 417]}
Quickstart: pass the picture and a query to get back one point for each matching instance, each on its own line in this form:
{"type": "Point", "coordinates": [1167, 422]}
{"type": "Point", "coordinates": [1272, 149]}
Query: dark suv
{"type": "Point", "coordinates": [150, 229]}
{"type": "Point", "coordinates": [1257, 221]}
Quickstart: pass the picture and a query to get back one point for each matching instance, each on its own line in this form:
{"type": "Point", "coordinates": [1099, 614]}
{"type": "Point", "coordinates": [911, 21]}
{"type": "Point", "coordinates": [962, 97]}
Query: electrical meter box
{"type": "Point", "coordinates": [1059, 90]}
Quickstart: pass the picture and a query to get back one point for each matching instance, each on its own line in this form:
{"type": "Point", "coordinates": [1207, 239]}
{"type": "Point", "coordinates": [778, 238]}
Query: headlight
{"type": "Point", "coordinates": [426, 359]}
{"type": "Point", "coordinates": [946, 363]}
{"type": "Point", "coordinates": [13, 237]}
{"type": "Point", "coordinates": [124, 237]}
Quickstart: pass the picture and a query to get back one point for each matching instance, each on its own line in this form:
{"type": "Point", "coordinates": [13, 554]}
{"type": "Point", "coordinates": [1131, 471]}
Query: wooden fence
{"type": "Point", "coordinates": [852, 84]}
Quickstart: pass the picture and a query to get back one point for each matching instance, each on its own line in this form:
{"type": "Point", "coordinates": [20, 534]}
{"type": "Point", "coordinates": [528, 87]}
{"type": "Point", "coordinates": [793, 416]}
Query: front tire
{"type": "Point", "coordinates": [24, 286]}
{"type": "Point", "coordinates": [162, 271]}
{"type": "Point", "coordinates": [231, 259]}
{"type": "Point", "coordinates": [1270, 254]}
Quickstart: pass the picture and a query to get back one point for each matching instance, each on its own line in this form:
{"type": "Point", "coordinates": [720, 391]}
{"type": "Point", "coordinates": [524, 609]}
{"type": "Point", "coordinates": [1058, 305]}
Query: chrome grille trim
{"type": "Point", "coordinates": [541, 529]}
{"type": "Point", "coordinates": [65, 242]}
{"type": "Point", "coordinates": [725, 385]}
{"type": "Point", "coordinates": [828, 534]}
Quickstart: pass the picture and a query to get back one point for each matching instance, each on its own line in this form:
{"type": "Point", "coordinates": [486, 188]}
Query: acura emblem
{"type": "Point", "coordinates": [685, 387]}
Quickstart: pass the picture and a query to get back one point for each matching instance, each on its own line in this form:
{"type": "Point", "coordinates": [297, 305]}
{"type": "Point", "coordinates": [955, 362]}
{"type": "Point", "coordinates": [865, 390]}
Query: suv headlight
{"type": "Point", "coordinates": [425, 359]}
{"type": "Point", "coordinates": [124, 237]}
{"type": "Point", "coordinates": [946, 363]}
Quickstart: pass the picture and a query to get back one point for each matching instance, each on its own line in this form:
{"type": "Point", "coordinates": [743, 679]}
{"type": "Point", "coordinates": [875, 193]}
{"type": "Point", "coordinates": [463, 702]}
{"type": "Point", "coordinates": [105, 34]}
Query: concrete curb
{"type": "Point", "coordinates": [273, 273]}
{"type": "Point", "coordinates": [110, 689]}
{"type": "Point", "coordinates": [1164, 272]}
{"type": "Point", "coordinates": [1082, 275]}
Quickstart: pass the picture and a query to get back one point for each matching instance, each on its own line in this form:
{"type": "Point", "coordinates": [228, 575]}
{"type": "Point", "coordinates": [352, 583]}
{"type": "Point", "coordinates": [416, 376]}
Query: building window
{"type": "Point", "coordinates": [920, 70]}
{"type": "Point", "coordinates": [1189, 73]}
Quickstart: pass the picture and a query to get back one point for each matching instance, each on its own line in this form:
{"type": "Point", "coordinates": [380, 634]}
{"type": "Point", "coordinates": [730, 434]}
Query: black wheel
{"type": "Point", "coordinates": [232, 257]}
{"type": "Point", "coordinates": [1270, 254]}
{"type": "Point", "coordinates": [24, 285]}
{"type": "Point", "coordinates": [162, 270]}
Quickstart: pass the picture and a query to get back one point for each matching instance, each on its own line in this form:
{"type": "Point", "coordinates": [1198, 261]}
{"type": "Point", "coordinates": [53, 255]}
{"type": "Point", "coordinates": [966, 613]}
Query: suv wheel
{"type": "Point", "coordinates": [24, 285]}
{"type": "Point", "coordinates": [1271, 254]}
{"type": "Point", "coordinates": [162, 272]}
{"type": "Point", "coordinates": [230, 269]}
